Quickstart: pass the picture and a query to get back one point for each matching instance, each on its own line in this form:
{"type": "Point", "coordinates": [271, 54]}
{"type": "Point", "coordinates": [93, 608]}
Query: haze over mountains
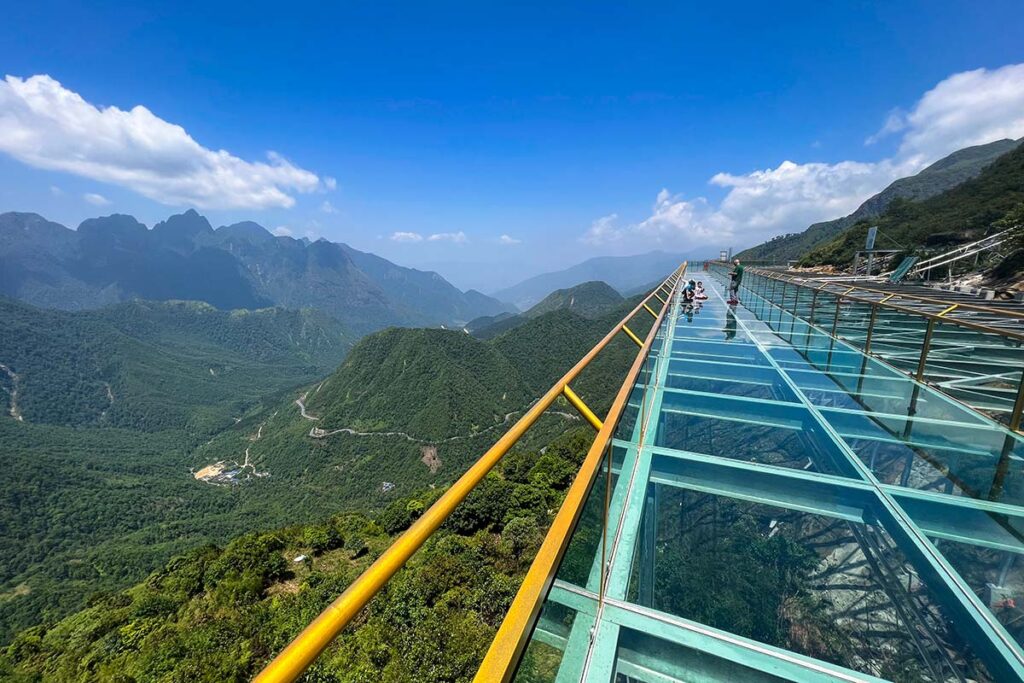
{"type": "Point", "coordinates": [624, 273]}
{"type": "Point", "coordinates": [587, 300]}
{"type": "Point", "coordinates": [944, 174]}
{"type": "Point", "coordinates": [116, 258]}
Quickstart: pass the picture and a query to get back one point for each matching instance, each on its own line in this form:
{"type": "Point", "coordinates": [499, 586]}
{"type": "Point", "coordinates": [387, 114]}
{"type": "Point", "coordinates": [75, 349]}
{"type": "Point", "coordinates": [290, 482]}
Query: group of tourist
{"type": "Point", "coordinates": [694, 296]}
{"type": "Point", "coordinates": [694, 291]}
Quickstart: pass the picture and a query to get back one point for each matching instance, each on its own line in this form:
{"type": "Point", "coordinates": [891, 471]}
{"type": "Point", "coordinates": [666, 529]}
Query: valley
{"type": "Point", "coordinates": [512, 342]}
{"type": "Point", "coordinates": [265, 439]}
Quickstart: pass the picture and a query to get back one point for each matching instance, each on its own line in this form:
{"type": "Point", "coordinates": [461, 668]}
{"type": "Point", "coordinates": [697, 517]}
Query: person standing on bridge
{"type": "Point", "coordinates": [735, 278]}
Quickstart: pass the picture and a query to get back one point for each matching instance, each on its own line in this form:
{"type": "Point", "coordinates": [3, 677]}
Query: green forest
{"type": "Point", "coordinates": [95, 505]}
{"type": "Point", "coordinates": [151, 366]}
{"type": "Point", "coordinates": [217, 613]}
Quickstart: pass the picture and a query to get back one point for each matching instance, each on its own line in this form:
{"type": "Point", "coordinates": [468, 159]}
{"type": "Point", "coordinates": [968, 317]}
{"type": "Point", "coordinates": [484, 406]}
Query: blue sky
{"type": "Point", "coordinates": [572, 129]}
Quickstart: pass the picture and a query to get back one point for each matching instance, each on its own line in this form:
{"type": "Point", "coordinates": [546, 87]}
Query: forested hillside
{"type": "Point", "coordinates": [587, 300]}
{"type": "Point", "coordinates": [962, 214]}
{"type": "Point", "coordinates": [431, 383]}
{"type": "Point", "coordinates": [220, 613]}
{"type": "Point", "coordinates": [155, 366]}
{"type": "Point", "coordinates": [94, 508]}
{"type": "Point", "coordinates": [944, 174]}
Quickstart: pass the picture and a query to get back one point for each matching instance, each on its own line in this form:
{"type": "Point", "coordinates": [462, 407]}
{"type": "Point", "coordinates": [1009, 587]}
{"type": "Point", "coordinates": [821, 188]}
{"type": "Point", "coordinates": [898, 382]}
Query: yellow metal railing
{"type": "Point", "coordinates": [513, 635]}
{"type": "Point", "coordinates": [307, 646]}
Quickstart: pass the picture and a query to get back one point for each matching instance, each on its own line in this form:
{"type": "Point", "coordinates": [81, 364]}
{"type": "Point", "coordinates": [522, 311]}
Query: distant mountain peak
{"type": "Point", "coordinates": [245, 230]}
{"type": "Point", "coordinates": [118, 224]}
{"type": "Point", "coordinates": [622, 273]}
{"type": "Point", "coordinates": [589, 299]}
{"type": "Point", "coordinates": [190, 223]}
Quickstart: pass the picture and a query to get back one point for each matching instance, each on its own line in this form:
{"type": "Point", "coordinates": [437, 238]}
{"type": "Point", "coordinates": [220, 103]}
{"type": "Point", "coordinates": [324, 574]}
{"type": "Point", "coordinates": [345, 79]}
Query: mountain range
{"type": "Point", "coordinates": [587, 300]}
{"type": "Point", "coordinates": [623, 273]}
{"type": "Point", "coordinates": [116, 258]}
{"type": "Point", "coordinates": [944, 174]}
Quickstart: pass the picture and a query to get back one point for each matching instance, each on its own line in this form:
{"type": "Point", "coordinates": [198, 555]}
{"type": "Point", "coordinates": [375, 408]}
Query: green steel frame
{"type": "Point", "coordinates": [902, 468]}
{"type": "Point", "coordinates": [974, 353]}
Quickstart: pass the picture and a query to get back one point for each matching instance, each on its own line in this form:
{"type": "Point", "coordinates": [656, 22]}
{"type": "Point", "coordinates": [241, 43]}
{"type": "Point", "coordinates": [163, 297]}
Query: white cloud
{"type": "Point", "coordinates": [95, 199]}
{"type": "Point", "coordinates": [604, 230]}
{"type": "Point", "coordinates": [45, 125]}
{"type": "Point", "coordinates": [456, 237]}
{"type": "Point", "coordinates": [968, 108]}
{"type": "Point", "coordinates": [406, 237]}
{"type": "Point", "coordinates": [283, 231]}
{"type": "Point", "coordinates": [509, 240]}
{"type": "Point", "coordinates": [327, 207]}
{"type": "Point", "coordinates": [330, 183]}
{"type": "Point", "coordinates": [894, 123]}
{"type": "Point", "coordinates": [56, 191]}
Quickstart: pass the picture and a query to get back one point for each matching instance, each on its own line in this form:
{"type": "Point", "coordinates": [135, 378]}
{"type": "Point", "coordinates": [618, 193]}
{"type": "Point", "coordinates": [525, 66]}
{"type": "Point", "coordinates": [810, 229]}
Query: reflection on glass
{"type": "Point", "coordinates": [997, 576]}
{"type": "Point", "coordinates": [543, 656]}
{"type": "Point", "coordinates": [730, 325]}
{"type": "Point", "coordinates": [642, 657]}
{"type": "Point", "coordinates": [831, 589]}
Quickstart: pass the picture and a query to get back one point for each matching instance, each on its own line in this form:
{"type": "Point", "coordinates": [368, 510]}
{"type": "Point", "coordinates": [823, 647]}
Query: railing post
{"type": "Point", "coordinates": [835, 318]}
{"type": "Point", "coordinates": [782, 304]}
{"type": "Point", "coordinates": [832, 338]}
{"type": "Point", "coordinates": [810, 318]}
{"type": "Point", "coordinates": [1018, 406]}
{"type": "Point", "coordinates": [871, 328]}
{"type": "Point", "coordinates": [929, 331]}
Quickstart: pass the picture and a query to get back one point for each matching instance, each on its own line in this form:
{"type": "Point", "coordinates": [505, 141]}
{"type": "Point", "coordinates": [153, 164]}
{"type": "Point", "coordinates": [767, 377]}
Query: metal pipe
{"type": "Point", "coordinates": [871, 328]}
{"type": "Point", "coordinates": [632, 335]}
{"type": "Point", "coordinates": [582, 407]}
{"type": "Point", "coordinates": [1018, 406]}
{"type": "Point", "coordinates": [307, 646]}
{"type": "Point", "coordinates": [513, 635]}
{"type": "Point", "coordinates": [929, 331]}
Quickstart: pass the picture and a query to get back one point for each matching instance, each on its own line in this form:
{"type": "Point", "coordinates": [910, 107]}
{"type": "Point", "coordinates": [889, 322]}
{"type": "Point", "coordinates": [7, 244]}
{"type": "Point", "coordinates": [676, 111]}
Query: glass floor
{"type": "Point", "coordinates": [777, 506]}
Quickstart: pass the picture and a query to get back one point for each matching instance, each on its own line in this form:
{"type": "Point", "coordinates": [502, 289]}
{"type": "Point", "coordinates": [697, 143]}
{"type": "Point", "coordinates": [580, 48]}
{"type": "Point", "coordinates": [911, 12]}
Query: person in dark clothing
{"type": "Point", "coordinates": [735, 278]}
{"type": "Point", "coordinates": [689, 291]}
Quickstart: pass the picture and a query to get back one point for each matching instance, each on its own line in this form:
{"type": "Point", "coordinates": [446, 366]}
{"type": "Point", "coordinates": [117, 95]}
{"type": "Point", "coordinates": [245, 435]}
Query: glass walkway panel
{"type": "Point", "coordinates": [973, 352]}
{"type": "Point", "coordinates": [776, 504]}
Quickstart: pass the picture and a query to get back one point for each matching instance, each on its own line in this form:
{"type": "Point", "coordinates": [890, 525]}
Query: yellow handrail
{"type": "Point", "coordinates": [307, 646]}
{"type": "Point", "coordinates": [513, 635]}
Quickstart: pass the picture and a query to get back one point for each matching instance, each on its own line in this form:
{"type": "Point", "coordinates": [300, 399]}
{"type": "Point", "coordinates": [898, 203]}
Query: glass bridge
{"type": "Point", "coordinates": [763, 502]}
{"type": "Point", "coordinates": [777, 505]}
